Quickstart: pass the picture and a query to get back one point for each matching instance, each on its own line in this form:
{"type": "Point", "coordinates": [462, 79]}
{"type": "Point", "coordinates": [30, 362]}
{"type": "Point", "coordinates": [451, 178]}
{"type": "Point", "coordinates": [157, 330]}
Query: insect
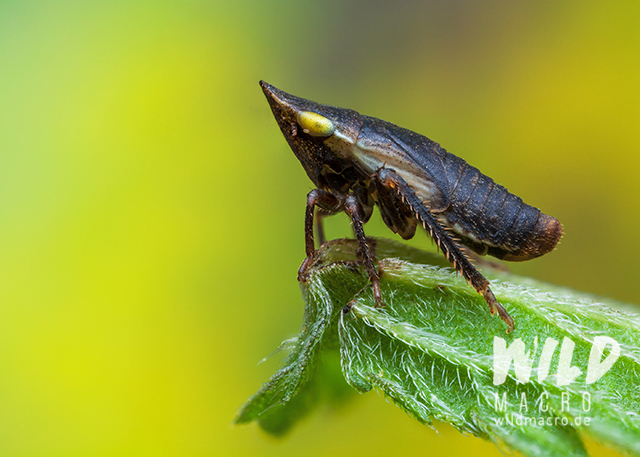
{"type": "Point", "coordinates": [358, 161]}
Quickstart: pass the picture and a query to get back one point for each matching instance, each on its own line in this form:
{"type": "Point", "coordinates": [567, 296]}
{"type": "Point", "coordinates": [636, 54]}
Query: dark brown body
{"type": "Point", "coordinates": [357, 161]}
{"type": "Point", "coordinates": [501, 223]}
{"type": "Point", "coordinates": [484, 215]}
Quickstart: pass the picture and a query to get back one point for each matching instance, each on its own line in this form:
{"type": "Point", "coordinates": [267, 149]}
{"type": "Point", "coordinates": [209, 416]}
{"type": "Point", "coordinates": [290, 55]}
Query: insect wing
{"type": "Point", "coordinates": [413, 156]}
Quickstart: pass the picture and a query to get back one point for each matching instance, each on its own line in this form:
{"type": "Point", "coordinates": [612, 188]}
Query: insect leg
{"type": "Point", "coordinates": [319, 228]}
{"type": "Point", "coordinates": [448, 246]}
{"type": "Point", "coordinates": [328, 203]}
{"type": "Point", "coordinates": [357, 214]}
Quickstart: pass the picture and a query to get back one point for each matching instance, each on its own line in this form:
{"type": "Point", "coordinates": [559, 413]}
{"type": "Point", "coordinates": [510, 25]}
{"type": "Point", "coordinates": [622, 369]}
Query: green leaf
{"type": "Point", "coordinates": [436, 352]}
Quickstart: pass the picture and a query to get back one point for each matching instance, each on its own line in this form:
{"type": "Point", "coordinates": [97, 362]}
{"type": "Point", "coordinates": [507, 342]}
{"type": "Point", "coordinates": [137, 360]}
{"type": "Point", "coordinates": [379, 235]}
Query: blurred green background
{"type": "Point", "coordinates": [151, 214]}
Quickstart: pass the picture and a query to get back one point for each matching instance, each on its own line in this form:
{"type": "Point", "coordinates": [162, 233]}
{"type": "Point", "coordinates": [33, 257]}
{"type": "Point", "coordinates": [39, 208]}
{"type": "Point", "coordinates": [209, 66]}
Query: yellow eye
{"type": "Point", "coordinates": [315, 124]}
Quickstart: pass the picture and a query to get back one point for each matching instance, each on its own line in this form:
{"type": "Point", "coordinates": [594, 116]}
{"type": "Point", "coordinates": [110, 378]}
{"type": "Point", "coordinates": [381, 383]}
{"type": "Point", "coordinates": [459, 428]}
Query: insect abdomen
{"type": "Point", "coordinates": [493, 221]}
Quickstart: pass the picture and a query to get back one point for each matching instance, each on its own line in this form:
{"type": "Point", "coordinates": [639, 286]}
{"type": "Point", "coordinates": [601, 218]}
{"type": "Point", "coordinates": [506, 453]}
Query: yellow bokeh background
{"type": "Point", "coordinates": [151, 214]}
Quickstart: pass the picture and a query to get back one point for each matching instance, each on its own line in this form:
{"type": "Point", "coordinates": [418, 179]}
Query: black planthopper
{"type": "Point", "coordinates": [357, 161]}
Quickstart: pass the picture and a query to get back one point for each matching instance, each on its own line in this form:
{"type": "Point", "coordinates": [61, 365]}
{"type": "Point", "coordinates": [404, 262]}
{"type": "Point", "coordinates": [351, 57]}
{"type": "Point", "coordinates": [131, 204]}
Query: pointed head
{"type": "Point", "coordinates": [319, 135]}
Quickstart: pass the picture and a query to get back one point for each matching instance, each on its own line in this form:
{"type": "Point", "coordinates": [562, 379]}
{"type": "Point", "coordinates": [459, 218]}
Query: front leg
{"type": "Point", "coordinates": [319, 227]}
{"type": "Point", "coordinates": [444, 241]}
{"type": "Point", "coordinates": [330, 204]}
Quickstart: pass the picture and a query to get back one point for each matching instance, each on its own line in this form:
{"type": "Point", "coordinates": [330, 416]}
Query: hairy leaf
{"type": "Point", "coordinates": [570, 368]}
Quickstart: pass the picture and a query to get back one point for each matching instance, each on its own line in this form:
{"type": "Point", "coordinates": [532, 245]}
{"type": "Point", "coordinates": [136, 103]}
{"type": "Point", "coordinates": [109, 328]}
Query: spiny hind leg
{"type": "Point", "coordinates": [446, 244]}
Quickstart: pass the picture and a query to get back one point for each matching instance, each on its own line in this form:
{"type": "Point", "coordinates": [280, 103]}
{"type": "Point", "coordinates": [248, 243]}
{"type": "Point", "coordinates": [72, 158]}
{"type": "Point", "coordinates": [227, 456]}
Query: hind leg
{"type": "Point", "coordinates": [448, 246]}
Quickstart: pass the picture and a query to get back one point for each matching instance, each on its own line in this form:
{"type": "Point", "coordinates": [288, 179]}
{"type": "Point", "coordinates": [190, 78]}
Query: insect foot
{"type": "Point", "coordinates": [302, 271]}
{"type": "Point", "coordinates": [494, 307]}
